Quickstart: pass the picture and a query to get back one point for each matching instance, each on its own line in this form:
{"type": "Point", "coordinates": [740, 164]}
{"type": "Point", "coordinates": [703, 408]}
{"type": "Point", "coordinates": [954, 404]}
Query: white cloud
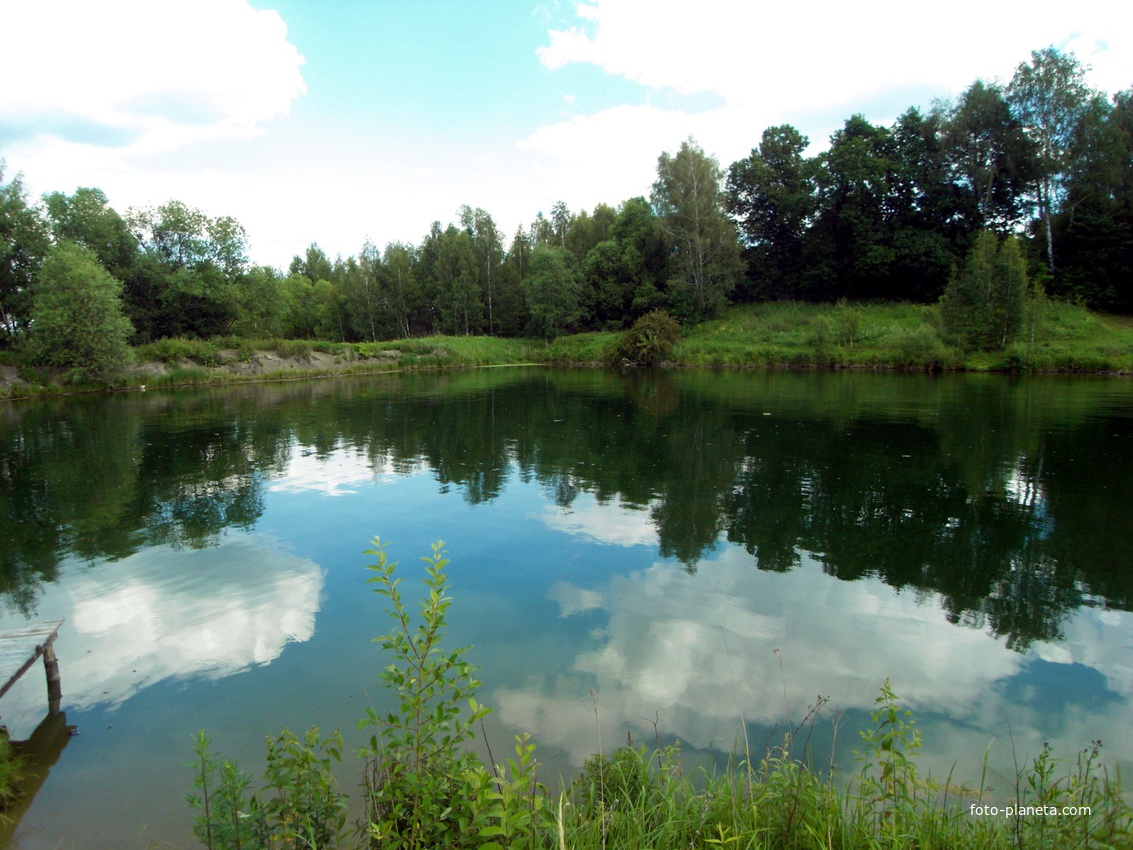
{"type": "Point", "coordinates": [812, 65]}
{"type": "Point", "coordinates": [773, 54]}
{"type": "Point", "coordinates": [144, 77]}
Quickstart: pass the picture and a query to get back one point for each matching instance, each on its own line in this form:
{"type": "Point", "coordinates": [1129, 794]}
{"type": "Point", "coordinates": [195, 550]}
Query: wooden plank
{"type": "Point", "coordinates": [21, 648]}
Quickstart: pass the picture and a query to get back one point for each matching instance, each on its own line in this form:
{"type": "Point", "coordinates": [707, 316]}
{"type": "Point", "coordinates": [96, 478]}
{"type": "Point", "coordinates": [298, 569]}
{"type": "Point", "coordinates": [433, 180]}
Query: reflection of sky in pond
{"type": "Point", "coordinates": [595, 609]}
{"type": "Point", "coordinates": [614, 523]}
{"type": "Point", "coordinates": [336, 473]}
{"type": "Point", "coordinates": [699, 650]}
{"type": "Point", "coordinates": [167, 614]}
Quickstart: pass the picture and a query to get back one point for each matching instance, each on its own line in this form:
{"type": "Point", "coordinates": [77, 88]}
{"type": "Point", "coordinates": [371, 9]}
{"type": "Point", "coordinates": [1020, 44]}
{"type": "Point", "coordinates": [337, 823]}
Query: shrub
{"type": "Point", "coordinates": [649, 341]}
{"type": "Point", "coordinates": [982, 307]}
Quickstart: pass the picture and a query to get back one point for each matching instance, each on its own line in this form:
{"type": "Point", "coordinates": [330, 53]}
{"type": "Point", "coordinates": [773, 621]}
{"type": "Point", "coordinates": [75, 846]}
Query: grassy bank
{"type": "Point", "coordinates": [1056, 337]}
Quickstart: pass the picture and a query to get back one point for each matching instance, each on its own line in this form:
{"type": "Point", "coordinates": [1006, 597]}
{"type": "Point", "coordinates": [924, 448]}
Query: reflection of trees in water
{"type": "Point", "coordinates": [104, 478]}
{"type": "Point", "coordinates": [1004, 497]}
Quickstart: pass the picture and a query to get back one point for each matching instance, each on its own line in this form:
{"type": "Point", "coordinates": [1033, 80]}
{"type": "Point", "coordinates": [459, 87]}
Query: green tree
{"type": "Point", "coordinates": [554, 290]}
{"type": "Point", "coordinates": [77, 319]}
{"type": "Point", "coordinates": [314, 264]}
{"type": "Point", "coordinates": [990, 155]}
{"type": "Point", "coordinates": [1049, 97]}
{"type": "Point", "coordinates": [23, 244]}
{"type": "Point", "coordinates": [609, 285]}
{"type": "Point", "coordinates": [365, 300]}
{"type": "Point", "coordinates": [771, 195]}
{"type": "Point", "coordinates": [401, 290]}
{"type": "Point", "coordinates": [297, 314]}
{"type": "Point", "coordinates": [488, 246]}
{"type": "Point", "coordinates": [459, 304]}
{"type": "Point", "coordinates": [982, 307]}
{"type": "Point", "coordinates": [1095, 226]}
{"type": "Point", "coordinates": [511, 312]}
{"type": "Point", "coordinates": [926, 235]}
{"type": "Point", "coordinates": [690, 205]}
{"type": "Point", "coordinates": [260, 304]}
{"type": "Point", "coordinates": [87, 219]}
{"type": "Point", "coordinates": [329, 305]}
{"type": "Point", "coordinates": [645, 253]}
{"type": "Point", "coordinates": [185, 283]}
{"type": "Point", "coordinates": [848, 246]}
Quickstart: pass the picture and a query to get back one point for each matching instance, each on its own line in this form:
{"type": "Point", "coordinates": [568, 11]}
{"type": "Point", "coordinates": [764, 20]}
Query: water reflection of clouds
{"type": "Point", "coordinates": [335, 473]}
{"type": "Point", "coordinates": [164, 614]}
{"type": "Point", "coordinates": [340, 471]}
{"type": "Point", "coordinates": [614, 523]}
{"type": "Point", "coordinates": [698, 650]}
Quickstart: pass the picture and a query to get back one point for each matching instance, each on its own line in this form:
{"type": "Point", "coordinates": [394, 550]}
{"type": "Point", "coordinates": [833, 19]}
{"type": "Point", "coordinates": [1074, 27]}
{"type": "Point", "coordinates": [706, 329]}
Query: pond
{"type": "Point", "coordinates": [682, 556]}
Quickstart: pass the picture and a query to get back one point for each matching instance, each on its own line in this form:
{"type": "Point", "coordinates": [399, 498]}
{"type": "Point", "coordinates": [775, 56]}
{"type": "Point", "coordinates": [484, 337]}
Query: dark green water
{"type": "Point", "coordinates": [684, 550]}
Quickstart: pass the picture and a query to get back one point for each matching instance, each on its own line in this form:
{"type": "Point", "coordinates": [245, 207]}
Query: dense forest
{"type": "Point", "coordinates": [883, 213]}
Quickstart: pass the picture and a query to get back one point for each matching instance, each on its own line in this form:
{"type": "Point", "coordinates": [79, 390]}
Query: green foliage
{"type": "Point", "coordinates": [23, 245]}
{"type": "Point", "coordinates": [11, 767]}
{"type": "Point", "coordinates": [514, 812]}
{"type": "Point", "coordinates": [305, 807]}
{"type": "Point", "coordinates": [77, 319]}
{"type": "Point", "coordinates": [423, 786]}
{"type": "Point", "coordinates": [890, 786]}
{"type": "Point", "coordinates": [982, 308]}
{"type": "Point", "coordinates": [606, 783]}
{"type": "Point", "coordinates": [649, 341]}
{"type": "Point", "coordinates": [298, 349]}
{"type": "Point", "coordinates": [299, 807]}
{"type": "Point", "coordinates": [553, 289]}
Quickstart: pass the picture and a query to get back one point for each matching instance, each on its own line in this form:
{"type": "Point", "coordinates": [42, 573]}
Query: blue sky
{"type": "Point", "coordinates": [334, 122]}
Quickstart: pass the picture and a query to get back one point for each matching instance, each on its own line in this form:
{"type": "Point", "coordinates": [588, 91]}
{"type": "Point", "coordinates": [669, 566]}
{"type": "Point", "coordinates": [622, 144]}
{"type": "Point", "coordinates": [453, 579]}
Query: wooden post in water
{"type": "Point", "coordinates": [19, 650]}
{"type": "Point", "coordinates": [54, 687]}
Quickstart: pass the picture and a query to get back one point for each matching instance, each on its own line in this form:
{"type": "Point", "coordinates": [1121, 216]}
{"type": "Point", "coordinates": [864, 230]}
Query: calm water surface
{"type": "Point", "coordinates": [673, 556]}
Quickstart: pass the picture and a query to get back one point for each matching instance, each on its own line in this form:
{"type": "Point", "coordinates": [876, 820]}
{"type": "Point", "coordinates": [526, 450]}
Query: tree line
{"type": "Point", "coordinates": [883, 213]}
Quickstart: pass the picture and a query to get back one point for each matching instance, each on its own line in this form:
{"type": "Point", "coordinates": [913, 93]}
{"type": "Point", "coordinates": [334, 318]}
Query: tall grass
{"type": "Point", "coordinates": [777, 800]}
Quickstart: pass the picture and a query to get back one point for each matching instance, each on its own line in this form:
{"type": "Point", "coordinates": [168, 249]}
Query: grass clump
{"type": "Point", "coordinates": [11, 768]}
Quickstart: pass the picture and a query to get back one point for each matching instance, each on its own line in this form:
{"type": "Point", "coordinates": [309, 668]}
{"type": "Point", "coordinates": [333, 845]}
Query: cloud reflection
{"type": "Point", "coordinates": [166, 614]}
{"type": "Point", "coordinates": [615, 523]}
{"type": "Point", "coordinates": [699, 651]}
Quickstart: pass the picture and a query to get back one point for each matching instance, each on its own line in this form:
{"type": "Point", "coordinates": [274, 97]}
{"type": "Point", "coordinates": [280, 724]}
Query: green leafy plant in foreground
{"type": "Point", "coordinates": [299, 807]}
{"type": "Point", "coordinates": [421, 783]}
{"type": "Point", "coordinates": [424, 788]}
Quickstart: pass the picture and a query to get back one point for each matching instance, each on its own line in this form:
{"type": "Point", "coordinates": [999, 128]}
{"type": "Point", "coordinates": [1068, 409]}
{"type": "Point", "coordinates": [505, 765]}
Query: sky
{"type": "Point", "coordinates": [338, 122]}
